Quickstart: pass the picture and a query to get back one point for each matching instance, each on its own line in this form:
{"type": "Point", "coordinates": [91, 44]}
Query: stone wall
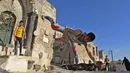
{"type": "Point", "coordinates": [45, 8]}
{"type": "Point", "coordinates": [82, 53]}
{"type": "Point", "coordinates": [102, 55]}
{"type": "Point", "coordinates": [14, 7]}
{"type": "Point", "coordinates": [43, 41]}
{"type": "Point", "coordinates": [62, 51]}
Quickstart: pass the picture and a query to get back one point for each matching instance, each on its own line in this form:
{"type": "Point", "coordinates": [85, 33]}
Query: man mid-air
{"type": "Point", "coordinates": [73, 36]}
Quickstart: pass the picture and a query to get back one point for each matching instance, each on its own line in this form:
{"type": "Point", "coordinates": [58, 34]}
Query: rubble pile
{"type": "Point", "coordinates": [82, 66]}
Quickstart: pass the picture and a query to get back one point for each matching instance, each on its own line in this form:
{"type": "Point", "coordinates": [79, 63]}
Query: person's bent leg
{"type": "Point", "coordinates": [70, 38]}
{"type": "Point", "coordinates": [75, 53]}
{"type": "Point", "coordinates": [55, 26]}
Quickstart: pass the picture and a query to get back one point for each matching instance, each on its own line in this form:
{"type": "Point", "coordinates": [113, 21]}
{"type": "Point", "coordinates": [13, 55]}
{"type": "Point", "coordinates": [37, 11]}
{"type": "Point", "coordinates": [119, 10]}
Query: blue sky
{"type": "Point", "coordinates": [108, 19]}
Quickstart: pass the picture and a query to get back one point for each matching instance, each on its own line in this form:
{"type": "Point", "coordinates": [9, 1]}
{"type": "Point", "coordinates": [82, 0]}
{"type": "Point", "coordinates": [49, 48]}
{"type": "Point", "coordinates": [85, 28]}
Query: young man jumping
{"type": "Point", "coordinates": [73, 36]}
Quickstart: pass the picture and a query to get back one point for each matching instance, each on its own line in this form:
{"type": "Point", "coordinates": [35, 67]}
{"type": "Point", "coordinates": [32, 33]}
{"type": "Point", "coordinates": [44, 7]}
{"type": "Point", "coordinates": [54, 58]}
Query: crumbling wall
{"type": "Point", "coordinates": [43, 7]}
{"type": "Point", "coordinates": [43, 41]}
{"type": "Point", "coordinates": [15, 8]}
{"type": "Point", "coordinates": [12, 6]}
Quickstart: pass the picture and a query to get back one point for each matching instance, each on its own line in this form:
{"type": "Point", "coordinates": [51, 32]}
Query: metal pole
{"type": "Point", "coordinates": [112, 55]}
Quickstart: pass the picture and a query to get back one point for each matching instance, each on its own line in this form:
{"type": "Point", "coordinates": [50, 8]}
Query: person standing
{"type": "Point", "coordinates": [107, 63]}
{"type": "Point", "coordinates": [18, 35]}
{"type": "Point", "coordinates": [127, 63]}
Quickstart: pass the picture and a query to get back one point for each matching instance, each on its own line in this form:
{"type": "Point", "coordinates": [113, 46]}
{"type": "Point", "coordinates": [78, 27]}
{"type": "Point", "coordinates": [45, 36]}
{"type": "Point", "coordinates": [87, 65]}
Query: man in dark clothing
{"type": "Point", "coordinates": [107, 63]}
{"type": "Point", "coordinates": [127, 63]}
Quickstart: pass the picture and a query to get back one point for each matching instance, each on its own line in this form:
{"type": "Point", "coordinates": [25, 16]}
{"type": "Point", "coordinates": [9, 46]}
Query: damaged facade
{"type": "Point", "coordinates": [40, 35]}
{"type": "Point", "coordinates": [38, 30]}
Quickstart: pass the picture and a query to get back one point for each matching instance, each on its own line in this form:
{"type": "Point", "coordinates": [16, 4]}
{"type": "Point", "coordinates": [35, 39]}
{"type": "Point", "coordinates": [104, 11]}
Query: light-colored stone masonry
{"type": "Point", "coordinates": [43, 41]}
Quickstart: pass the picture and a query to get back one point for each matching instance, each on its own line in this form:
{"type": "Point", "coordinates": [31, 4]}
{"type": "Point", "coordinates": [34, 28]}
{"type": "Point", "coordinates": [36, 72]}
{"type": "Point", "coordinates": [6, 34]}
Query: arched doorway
{"type": "Point", "coordinates": [7, 21]}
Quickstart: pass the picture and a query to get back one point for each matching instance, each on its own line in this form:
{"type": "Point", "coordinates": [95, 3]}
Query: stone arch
{"type": "Point", "coordinates": [7, 19]}
{"type": "Point", "coordinates": [26, 8]}
{"type": "Point", "coordinates": [29, 21]}
{"type": "Point", "coordinates": [9, 12]}
{"type": "Point", "coordinates": [13, 22]}
{"type": "Point", "coordinates": [22, 6]}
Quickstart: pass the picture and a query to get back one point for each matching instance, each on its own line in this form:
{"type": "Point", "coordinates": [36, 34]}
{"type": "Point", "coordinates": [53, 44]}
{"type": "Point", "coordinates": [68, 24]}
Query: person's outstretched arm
{"type": "Point", "coordinates": [89, 52]}
{"type": "Point", "coordinates": [53, 25]}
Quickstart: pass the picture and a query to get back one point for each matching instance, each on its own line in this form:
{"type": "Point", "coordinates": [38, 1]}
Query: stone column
{"type": "Point", "coordinates": [29, 32]}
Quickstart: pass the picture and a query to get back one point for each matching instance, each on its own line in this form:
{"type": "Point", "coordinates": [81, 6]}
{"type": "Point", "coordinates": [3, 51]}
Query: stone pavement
{"type": "Point", "coordinates": [14, 63]}
{"type": "Point", "coordinates": [20, 62]}
{"type": "Point", "coordinates": [59, 70]}
{"type": "Point", "coordinates": [3, 59]}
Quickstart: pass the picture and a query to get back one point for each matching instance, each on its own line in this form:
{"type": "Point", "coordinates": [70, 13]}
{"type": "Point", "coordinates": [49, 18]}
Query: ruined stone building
{"type": "Point", "coordinates": [38, 30]}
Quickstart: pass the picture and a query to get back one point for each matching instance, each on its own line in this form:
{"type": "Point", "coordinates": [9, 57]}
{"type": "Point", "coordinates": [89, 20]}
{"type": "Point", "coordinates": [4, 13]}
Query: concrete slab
{"type": "Point", "coordinates": [16, 63]}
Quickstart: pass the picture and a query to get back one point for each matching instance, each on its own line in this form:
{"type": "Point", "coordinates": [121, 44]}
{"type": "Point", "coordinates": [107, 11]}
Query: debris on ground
{"type": "Point", "coordinates": [81, 66]}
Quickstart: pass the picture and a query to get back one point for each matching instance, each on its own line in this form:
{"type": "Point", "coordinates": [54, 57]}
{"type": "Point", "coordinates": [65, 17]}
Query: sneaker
{"type": "Point", "coordinates": [20, 54]}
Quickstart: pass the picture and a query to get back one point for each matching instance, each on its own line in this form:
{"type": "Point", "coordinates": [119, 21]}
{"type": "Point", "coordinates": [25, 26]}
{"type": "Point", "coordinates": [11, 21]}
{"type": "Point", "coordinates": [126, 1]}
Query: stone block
{"type": "Point", "coordinates": [45, 39]}
{"type": "Point", "coordinates": [37, 67]}
{"type": "Point", "coordinates": [35, 54]}
{"type": "Point", "coordinates": [30, 64]}
{"type": "Point", "coordinates": [51, 68]}
{"type": "Point", "coordinates": [16, 64]}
